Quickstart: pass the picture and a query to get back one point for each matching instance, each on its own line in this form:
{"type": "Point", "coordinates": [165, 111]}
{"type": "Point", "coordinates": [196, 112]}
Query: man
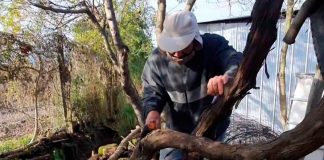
{"type": "Point", "coordinates": [185, 73]}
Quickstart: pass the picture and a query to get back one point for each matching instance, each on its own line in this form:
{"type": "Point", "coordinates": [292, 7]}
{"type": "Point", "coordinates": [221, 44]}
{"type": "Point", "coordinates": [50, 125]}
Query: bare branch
{"type": "Point", "coordinates": [124, 143]}
{"type": "Point", "coordinates": [112, 22]}
{"type": "Point", "coordinates": [160, 18]}
{"type": "Point", "coordinates": [58, 10]}
{"type": "Point", "coordinates": [189, 4]}
{"type": "Point", "coordinates": [305, 11]}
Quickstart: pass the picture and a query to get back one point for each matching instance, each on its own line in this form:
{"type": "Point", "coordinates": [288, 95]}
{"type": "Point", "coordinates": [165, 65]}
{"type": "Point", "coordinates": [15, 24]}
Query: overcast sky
{"type": "Point", "coordinates": [209, 10]}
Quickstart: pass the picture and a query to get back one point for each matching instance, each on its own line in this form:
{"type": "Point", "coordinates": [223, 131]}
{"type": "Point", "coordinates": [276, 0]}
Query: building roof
{"type": "Point", "coordinates": [241, 19]}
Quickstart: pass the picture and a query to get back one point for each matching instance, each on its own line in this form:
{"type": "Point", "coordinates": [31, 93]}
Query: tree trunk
{"type": "Point", "coordinates": [65, 79]}
{"type": "Point", "coordinates": [282, 69]}
{"type": "Point", "coordinates": [122, 65]}
{"type": "Point", "coordinates": [36, 93]}
{"type": "Point", "coordinates": [282, 86]}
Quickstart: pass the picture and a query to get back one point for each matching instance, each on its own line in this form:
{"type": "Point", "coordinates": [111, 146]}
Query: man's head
{"type": "Point", "coordinates": [179, 35]}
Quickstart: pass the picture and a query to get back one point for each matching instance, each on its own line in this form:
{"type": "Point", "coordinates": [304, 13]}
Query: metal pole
{"type": "Point", "coordinates": [307, 46]}
{"type": "Point", "coordinates": [276, 77]}
{"type": "Point", "coordinates": [261, 95]}
{"type": "Point", "coordinates": [291, 69]}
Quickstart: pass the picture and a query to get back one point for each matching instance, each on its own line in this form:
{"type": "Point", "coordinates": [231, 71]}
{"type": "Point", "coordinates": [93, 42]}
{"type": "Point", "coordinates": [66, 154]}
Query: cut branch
{"type": "Point", "coordinates": [289, 145]}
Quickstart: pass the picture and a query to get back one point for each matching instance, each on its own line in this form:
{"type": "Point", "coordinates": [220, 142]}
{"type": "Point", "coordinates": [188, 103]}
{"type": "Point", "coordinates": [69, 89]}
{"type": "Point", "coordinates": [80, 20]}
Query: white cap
{"type": "Point", "coordinates": [179, 30]}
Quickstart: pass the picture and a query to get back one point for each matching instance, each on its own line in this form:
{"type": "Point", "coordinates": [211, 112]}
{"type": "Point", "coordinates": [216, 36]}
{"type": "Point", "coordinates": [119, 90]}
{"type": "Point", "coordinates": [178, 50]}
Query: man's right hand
{"type": "Point", "coordinates": [153, 117]}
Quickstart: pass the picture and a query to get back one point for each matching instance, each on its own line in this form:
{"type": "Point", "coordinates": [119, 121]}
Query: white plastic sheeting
{"type": "Point", "coordinates": [298, 102]}
{"type": "Point", "coordinates": [263, 104]}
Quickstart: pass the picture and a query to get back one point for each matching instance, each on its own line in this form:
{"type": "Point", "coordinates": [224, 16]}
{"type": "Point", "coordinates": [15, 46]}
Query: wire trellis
{"type": "Point", "coordinates": [247, 131]}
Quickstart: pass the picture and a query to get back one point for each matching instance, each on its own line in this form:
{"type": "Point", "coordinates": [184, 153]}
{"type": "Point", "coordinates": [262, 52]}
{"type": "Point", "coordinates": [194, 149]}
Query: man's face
{"type": "Point", "coordinates": [183, 56]}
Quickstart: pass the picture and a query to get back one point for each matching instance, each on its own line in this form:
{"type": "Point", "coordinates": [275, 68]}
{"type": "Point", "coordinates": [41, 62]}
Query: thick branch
{"type": "Point", "coordinates": [289, 145]}
{"type": "Point", "coordinates": [260, 39]}
{"type": "Point", "coordinates": [317, 27]}
{"type": "Point", "coordinates": [305, 11]}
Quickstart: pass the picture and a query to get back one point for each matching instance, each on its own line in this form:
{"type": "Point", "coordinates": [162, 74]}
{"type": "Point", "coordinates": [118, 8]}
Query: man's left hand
{"type": "Point", "coordinates": [215, 86]}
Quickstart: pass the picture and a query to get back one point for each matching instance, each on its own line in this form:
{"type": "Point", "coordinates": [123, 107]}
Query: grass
{"type": "Point", "coordinates": [127, 120]}
{"type": "Point", "coordinates": [14, 143]}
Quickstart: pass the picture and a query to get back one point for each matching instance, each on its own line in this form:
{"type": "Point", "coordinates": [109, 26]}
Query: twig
{"type": "Point", "coordinates": [134, 133]}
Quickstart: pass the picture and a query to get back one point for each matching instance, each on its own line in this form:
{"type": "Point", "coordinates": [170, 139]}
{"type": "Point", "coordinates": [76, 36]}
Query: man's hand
{"type": "Point", "coordinates": [153, 118]}
{"type": "Point", "coordinates": [215, 86]}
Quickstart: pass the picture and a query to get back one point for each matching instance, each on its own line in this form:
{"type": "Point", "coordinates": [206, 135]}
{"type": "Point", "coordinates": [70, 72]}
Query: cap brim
{"type": "Point", "coordinates": [173, 44]}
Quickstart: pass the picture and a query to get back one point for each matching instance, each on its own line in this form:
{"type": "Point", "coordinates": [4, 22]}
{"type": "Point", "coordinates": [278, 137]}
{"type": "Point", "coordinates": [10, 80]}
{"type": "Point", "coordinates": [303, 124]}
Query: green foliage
{"type": "Point", "coordinates": [14, 143]}
{"type": "Point", "coordinates": [126, 117]}
{"type": "Point", "coordinates": [17, 93]}
{"type": "Point", "coordinates": [134, 26]}
{"type": "Point", "coordinates": [10, 16]}
{"type": "Point", "coordinates": [88, 100]}
{"type": "Point", "coordinates": [134, 22]}
{"type": "Point", "coordinates": [58, 154]}
{"type": "Point", "coordinates": [85, 33]}
{"type": "Point", "coordinates": [90, 103]}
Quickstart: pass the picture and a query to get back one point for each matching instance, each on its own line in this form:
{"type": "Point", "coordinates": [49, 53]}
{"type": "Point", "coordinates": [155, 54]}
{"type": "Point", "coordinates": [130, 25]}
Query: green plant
{"type": "Point", "coordinates": [14, 143]}
{"type": "Point", "coordinates": [126, 118]}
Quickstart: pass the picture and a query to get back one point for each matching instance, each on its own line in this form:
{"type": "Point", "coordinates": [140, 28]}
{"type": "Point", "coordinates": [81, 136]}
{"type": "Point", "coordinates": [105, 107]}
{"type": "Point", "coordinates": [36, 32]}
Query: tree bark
{"type": "Point", "coordinates": [305, 11]}
{"type": "Point", "coordinates": [65, 79]}
{"type": "Point", "coordinates": [36, 94]}
{"type": "Point", "coordinates": [282, 69]}
{"type": "Point", "coordinates": [317, 27]}
{"type": "Point", "coordinates": [316, 91]}
{"type": "Point", "coordinates": [282, 86]}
